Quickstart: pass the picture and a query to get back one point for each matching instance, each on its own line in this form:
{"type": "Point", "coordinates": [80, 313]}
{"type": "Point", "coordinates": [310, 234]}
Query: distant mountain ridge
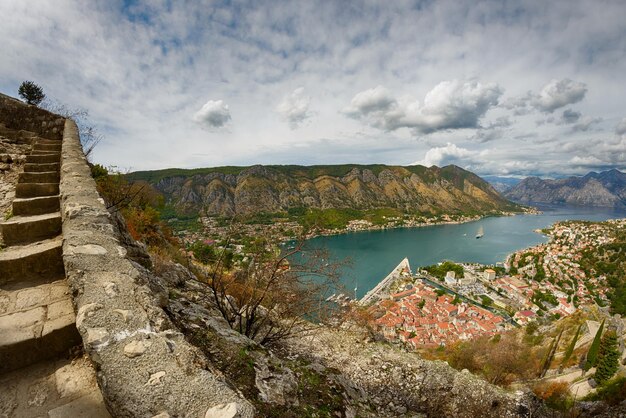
{"type": "Point", "coordinates": [605, 189]}
{"type": "Point", "coordinates": [229, 191]}
{"type": "Point", "coordinates": [501, 184]}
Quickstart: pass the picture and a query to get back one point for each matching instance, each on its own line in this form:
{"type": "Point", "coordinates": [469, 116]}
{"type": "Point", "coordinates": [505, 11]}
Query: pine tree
{"type": "Point", "coordinates": [570, 348]}
{"type": "Point", "coordinates": [608, 357]}
{"type": "Point", "coordinates": [592, 354]}
{"type": "Point", "coordinates": [31, 92]}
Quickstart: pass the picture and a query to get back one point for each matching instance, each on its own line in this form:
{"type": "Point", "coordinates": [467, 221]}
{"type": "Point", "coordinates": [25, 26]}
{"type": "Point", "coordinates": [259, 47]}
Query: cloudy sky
{"type": "Point", "coordinates": [498, 87]}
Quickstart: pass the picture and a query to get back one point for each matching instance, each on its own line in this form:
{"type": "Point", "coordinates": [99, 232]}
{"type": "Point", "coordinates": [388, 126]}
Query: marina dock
{"type": "Point", "coordinates": [381, 288]}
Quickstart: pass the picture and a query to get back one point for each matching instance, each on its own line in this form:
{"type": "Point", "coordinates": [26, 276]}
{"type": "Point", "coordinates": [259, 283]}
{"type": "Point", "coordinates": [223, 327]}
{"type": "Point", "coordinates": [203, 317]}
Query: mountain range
{"type": "Point", "coordinates": [230, 191]}
{"type": "Point", "coordinates": [605, 189]}
{"type": "Point", "coordinates": [501, 184]}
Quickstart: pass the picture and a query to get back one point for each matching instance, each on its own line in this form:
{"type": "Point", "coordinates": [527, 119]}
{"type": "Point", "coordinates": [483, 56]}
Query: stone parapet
{"type": "Point", "coordinates": [144, 365]}
{"type": "Point", "coordinates": [20, 116]}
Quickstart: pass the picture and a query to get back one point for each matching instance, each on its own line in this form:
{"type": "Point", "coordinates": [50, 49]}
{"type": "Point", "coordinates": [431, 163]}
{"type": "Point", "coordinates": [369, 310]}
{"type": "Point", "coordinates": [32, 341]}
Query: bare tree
{"type": "Point", "coordinates": [89, 135]}
{"type": "Point", "coordinates": [273, 295]}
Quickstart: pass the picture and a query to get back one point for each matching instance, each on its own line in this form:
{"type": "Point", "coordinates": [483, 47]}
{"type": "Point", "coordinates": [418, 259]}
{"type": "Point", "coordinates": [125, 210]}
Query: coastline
{"type": "Point", "coordinates": [363, 227]}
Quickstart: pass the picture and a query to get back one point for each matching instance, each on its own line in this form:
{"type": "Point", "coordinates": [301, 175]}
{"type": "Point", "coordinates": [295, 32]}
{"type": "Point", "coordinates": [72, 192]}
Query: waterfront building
{"type": "Point", "coordinates": [467, 279]}
{"type": "Point", "coordinates": [490, 274]}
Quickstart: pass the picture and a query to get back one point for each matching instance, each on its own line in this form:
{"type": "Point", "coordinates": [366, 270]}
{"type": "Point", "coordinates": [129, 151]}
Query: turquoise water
{"type": "Point", "coordinates": [373, 254]}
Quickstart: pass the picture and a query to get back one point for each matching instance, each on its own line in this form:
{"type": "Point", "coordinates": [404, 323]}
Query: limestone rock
{"type": "Point", "coordinates": [136, 348]}
{"type": "Point", "coordinates": [97, 338]}
{"type": "Point", "coordinates": [155, 378]}
{"type": "Point", "coordinates": [88, 249]}
{"type": "Point", "coordinates": [229, 410]}
{"type": "Point", "coordinates": [275, 384]}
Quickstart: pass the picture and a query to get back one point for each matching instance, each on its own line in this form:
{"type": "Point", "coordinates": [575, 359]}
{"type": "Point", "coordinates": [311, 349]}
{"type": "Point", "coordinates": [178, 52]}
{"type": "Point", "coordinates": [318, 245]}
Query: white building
{"type": "Point", "coordinates": [450, 278]}
{"type": "Point", "coordinates": [490, 274]}
{"type": "Point", "coordinates": [468, 278]}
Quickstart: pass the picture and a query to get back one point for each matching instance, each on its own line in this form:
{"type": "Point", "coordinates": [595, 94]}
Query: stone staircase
{"type": "Point", "coordinates": [37, 319]}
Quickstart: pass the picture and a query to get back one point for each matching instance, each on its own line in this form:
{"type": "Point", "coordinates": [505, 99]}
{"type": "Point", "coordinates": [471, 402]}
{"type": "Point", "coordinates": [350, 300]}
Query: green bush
{"type": "Point", "coordinates": [203, 252]}
{"type": "Point", "coordinates": [612, 392]}
{"type": "Point", "coordinates": [440, 270]}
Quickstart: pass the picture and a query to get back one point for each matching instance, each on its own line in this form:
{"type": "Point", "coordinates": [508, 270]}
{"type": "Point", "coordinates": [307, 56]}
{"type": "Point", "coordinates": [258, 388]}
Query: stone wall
{"type": "Point", "coordinates": [20, 116]}
{"type": "Point", "coordinates": [144, 365]}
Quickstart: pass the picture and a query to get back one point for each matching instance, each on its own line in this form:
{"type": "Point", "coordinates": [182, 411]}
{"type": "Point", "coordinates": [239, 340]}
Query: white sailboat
{"type": "Point", "coordinates": [480, 233]}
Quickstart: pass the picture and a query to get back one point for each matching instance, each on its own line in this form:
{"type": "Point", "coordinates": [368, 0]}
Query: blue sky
{"type": "Point", "coordinates": [498, 87]}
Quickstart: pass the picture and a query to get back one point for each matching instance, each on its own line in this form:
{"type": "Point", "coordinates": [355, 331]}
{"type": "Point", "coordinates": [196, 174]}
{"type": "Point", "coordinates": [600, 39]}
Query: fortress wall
{"type": "Point", "coordinates": [18, 115]}
{"type": "Point", "coordinates": [144, 365]}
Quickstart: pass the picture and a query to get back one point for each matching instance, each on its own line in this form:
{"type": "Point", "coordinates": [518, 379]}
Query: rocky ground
{"type": "Point", "coordinates": [332, 372]}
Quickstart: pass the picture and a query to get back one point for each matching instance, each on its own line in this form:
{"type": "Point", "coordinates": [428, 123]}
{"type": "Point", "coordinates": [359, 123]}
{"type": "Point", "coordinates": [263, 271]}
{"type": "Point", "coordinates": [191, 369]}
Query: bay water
{"type": "Point", "coordinates": [373, 254]}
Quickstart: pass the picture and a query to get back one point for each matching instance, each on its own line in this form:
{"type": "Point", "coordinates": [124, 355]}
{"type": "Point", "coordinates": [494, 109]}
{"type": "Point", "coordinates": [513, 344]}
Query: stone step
{"type": "Point", "coordinates": [39, 177]}
{"type": "Point", "coordinates": [41, 261]}
{"type": "Point", "coordinates": [39, 146]}
{"type": "Point", "coordinates": [36, 205]}
{"type": "Point", "coordinates": [39, 168]}
{"type": "Point", "coordinates": [41, 140]}
{"type": "Point", "coordinates": [46, 152]}
{"type": "Point", "coordinates": [36, 189]}
{"type": "Point", "coordinates": [37, 333]}
{"type": "Point", "coordinates": [23, 296]}
{"type": "Point", "coordinates": [17, 134]}
{"type": "Point", "coordinates": [53, 388]}
{"type": "Point", "coordinates": [43, 158]}
{"type": "Point", "coordinates": [26, 229]}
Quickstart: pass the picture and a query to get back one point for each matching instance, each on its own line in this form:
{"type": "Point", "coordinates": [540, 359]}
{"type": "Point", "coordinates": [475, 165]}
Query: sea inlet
{"type": "Point", "coordinates": [373, 254]}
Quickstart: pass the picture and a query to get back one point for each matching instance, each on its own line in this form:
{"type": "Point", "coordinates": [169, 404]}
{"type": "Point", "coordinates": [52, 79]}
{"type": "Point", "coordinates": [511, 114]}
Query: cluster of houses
{"type": "Point", "coordinates": [564, 277]}
{"type": "Point", "coordinates": [420, 317]}
{"type": "Point", "coordinates": [406, 221]}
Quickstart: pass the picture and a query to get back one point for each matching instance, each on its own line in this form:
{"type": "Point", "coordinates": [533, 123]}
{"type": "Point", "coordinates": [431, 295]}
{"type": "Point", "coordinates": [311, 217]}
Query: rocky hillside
{"type": "Point", "coordinates": [230, 191]}
{"type": "Point", "coordinates": [607, 189]}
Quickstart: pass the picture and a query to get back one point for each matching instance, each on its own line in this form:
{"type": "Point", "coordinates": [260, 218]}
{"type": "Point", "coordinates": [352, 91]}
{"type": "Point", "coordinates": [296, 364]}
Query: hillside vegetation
{"type": "Point", "coordinates": [610, 260]}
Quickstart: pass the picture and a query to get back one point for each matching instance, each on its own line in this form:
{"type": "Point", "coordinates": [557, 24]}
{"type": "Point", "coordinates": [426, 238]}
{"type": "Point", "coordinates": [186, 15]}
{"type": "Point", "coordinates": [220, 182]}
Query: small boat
{"type": "Point", "coordinates": [480, 233]}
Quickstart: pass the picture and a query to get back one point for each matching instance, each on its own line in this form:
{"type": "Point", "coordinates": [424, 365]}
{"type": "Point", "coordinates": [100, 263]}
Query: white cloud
{"type": "Point", "coordinates": [585, 123]}
{"type": "Point", "coordinates": [378, 101]}
{"type": "Point", "coordinates": [214, 114]}
{"type": "Point", "coordinates": [554, 95]}
{"type": "Point", "coordinates": [295, 108]}
{"type": "Point", "coordinates": [559, 93]}
{"type": "Point", "coordinates": [449, 105]}
{"type": "Point", "coordinates": [445, 155]}
{"type": "Point", "coordinates": [487, 135]}
{"type": "Point", "coordinates": [587, 161]}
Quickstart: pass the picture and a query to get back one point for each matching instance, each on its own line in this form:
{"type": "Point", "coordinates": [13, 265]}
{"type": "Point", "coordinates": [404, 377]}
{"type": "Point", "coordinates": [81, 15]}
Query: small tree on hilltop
{"type": "Point", "coordinates": [608, 357]}
{"type": "Point", "coordinates": [31, 92]}
{"type": "Point", "coordinates": [592, 354]}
